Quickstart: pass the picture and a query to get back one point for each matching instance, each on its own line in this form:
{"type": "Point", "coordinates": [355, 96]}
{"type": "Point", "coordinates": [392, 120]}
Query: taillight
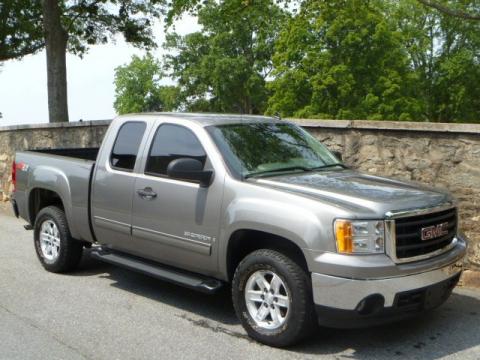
{"type": "Point", "coordinates": [14, 175]}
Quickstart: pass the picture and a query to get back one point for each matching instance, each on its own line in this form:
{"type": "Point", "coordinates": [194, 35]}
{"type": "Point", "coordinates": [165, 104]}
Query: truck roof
{"type": "Point", "coordinates": [204, 119]}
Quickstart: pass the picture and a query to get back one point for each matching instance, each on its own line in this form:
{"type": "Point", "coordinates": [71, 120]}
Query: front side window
{"type": "Point", "coordinates": [263, 149]}
{"type": "Point", "coordinates": [127, 143]}
{"type": "Point", "coordinates": [172, 142]}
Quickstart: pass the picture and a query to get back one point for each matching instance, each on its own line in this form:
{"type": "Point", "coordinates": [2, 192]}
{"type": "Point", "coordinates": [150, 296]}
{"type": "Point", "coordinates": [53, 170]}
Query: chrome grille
{"type": "Point", "coordinates": [408, 230]}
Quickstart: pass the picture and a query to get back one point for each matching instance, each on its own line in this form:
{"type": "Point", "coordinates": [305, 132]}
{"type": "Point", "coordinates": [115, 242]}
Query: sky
{"type": "Point", "coordinates": [23, 83]}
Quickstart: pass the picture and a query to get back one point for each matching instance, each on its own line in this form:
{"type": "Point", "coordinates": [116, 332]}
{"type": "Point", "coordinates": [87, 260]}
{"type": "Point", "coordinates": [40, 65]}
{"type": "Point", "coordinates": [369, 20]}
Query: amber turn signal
{"type": "Point", "coordinates": [343, 235]}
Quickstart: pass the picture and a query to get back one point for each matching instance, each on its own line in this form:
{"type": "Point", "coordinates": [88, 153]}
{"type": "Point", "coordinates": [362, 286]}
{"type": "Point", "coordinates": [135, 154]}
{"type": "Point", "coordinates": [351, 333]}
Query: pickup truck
{"type": "Point", "coordinates": [251, 202]}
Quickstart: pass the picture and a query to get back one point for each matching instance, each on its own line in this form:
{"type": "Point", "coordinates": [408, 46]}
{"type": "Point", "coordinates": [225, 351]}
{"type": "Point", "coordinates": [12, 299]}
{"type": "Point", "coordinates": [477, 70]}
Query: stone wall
{"type": "Point", "coordinates": [23, 137]}
{"type": "Point", "coordinates": [442, 155]}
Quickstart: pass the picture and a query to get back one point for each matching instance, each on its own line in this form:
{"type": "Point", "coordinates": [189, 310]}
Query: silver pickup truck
{"type": "Point", "coordinates": [258, 203]}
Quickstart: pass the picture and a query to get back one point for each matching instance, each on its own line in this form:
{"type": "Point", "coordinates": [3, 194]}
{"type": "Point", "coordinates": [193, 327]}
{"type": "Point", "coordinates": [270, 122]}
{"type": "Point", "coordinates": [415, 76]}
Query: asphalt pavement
{"type": "Point", "coordinates": [105, 312]}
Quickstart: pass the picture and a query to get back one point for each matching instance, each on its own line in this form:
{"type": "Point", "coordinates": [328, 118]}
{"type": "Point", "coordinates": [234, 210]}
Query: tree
{"type": "Point", "coordinates": [450, 11]}
{"type": "Point", "coordinates": [225, 66]}
{"type": "Point", "coordinates": [343, 59]}
{"type": "Point", "coordinates": [444, 54]}
{"type": "Point", "coordinates": [138, 89]}
{"type": "Point", "coordinates": [20, 28]}
{"type": "Point", "coordinates": [407, 59]}
{"type": "Point", "coordinates": [61, 26]}
{"type": "Point", "coordinates": [376, 59]}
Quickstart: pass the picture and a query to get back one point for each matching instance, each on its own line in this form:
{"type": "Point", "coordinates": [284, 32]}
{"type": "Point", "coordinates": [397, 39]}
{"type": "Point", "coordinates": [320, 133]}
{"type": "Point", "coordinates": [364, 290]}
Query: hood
{"type": "Point", "coordinates": [354, 191]}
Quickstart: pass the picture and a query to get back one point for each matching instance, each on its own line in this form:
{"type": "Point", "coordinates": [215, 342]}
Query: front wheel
{"type": "Point", "coordinates": [55, 247]}
{"type": "Point", "coordinates": [272, 298]}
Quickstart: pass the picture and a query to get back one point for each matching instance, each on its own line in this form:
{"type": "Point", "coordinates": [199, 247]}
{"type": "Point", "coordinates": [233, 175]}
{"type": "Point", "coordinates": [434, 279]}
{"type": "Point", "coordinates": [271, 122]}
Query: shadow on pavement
{"type": "Point", "coordinates": [216, 307]}
{"type": "Point", "coordinates": [451, 328]}
{"type": "Point", "coordinates": [445, 331]}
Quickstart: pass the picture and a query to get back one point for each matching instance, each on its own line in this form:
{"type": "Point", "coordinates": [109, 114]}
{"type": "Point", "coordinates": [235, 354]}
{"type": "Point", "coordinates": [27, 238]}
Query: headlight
{"type": "Point", "coordinates": [362, 237]}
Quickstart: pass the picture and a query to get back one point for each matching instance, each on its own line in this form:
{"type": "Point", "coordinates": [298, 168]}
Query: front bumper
{"type": "Point", "coordinates": [349, 302]}
{"type": "Point", "coordinates": [370, 311]}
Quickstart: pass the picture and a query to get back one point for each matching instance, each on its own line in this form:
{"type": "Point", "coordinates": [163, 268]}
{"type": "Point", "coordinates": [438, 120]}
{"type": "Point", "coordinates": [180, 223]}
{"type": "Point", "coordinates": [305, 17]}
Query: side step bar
{"type": "Point", "coordinates": [162, 272]}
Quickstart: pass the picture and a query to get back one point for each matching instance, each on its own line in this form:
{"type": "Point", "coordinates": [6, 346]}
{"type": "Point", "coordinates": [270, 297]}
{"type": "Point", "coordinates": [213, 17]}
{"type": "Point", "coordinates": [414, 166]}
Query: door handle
{"type": "Point", "coordinates": [147, 193]}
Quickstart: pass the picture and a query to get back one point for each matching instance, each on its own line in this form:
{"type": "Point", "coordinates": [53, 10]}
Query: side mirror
{"type": "Point", "coordinates": [189, 169]}
{"type": "Point", "coordinates": [338, 155]}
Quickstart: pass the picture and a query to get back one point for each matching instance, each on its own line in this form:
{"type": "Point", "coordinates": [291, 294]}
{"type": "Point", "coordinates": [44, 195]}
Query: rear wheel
{"type": "Point", "coordinates": [55, 247]}
{"type": "Point", "coordinates": [272, 298]}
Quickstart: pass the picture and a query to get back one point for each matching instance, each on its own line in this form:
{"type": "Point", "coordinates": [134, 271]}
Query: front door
{"type": "Point", "coordinates": [176, 222]}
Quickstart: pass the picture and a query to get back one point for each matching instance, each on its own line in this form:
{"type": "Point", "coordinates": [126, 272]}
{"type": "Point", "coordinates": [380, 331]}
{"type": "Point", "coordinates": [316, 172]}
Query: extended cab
{"type": "Point", "coordinates": [207, 200]}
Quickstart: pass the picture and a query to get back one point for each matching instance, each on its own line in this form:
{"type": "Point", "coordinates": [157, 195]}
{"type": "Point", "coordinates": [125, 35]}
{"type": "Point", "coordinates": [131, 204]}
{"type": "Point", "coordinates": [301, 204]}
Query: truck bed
{"type": "Point", "coordinates": [65, 171]}
{"type": "Point", "coordinates": [79, 153]}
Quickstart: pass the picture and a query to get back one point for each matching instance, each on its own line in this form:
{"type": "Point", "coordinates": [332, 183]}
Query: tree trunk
{"type": "Point", "coordinates": [56, 44]}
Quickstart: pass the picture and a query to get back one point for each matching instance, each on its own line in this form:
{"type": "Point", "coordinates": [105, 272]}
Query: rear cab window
{"type": "Point", "coordinates": [126, 146]}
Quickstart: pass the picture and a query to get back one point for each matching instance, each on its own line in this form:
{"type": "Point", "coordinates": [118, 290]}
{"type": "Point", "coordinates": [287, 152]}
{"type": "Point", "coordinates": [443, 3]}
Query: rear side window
{"type": "Point", "coordinates": [126, 145]}
{"type": "Point", "coordinates": [172, 142]}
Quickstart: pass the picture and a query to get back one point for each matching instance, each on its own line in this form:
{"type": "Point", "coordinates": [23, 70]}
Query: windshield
{"type": "Point", "coordinates": [263, 149]}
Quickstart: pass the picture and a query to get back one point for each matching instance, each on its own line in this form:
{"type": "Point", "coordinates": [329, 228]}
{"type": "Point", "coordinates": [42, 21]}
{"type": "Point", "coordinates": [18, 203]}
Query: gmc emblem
{"type": "Point", "coordinates": [434, 231]}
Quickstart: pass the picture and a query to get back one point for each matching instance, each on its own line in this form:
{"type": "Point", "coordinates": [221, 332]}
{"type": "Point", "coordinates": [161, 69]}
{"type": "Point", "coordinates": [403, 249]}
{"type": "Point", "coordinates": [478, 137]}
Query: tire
{"type": "Point", "coordinates": [283, 326]}
{"type": "Point", "coordinates": [58, 252]}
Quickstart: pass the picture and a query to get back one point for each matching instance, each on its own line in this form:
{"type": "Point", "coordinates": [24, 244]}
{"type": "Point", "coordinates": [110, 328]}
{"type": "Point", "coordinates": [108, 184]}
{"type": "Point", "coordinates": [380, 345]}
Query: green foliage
{"type": "Point", "coordinates": [85, 22]}
{"type": "Point", "coordinates": [138, 89]}
{"type": "Point", "coordinates": [343, 59]}
{"type": "Point", "coordinates": [457, 9]}
{"type": "Point", "coordinates": [176, 8]}
{"type": "Point", "coordinates": [20, 28]}
{"type": "Point", "coordinates": [444, 52]}
{"type": "Point", "coordinates": [393, 60]}
{"type": "Point", "coordinates": [224, 67]}
{"type": "Point", "coordinates": [97, 21]}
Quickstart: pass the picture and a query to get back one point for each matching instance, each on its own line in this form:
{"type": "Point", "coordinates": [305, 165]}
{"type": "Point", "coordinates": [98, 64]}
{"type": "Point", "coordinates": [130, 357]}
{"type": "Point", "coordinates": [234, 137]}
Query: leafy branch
{"type": "Point", "coordinates": [448, 11]}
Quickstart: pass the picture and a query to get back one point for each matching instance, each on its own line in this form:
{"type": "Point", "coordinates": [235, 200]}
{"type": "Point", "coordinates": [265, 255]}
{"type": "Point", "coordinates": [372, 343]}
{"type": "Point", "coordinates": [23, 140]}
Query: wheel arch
{"type": "Point", "coordinates": [244, 241]}
{"type": "Point", "coordinates": [41, 197]}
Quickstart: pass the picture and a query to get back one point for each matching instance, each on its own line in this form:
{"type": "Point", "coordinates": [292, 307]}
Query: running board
{"type": "Point", "coordinates": [176, 276]}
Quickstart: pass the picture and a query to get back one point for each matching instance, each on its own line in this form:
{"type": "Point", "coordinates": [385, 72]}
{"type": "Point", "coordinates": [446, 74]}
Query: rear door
{"type": "Point", "coordinates": [174, 221]}
{"type": "Point", "coordinates": [113, 184]}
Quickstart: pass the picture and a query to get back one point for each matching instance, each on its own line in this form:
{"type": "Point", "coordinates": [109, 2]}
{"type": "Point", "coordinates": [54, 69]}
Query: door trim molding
{"type": "Point", "coordinates": [172, 240]}
{"type": "Point", "coordinates": [112, 225]}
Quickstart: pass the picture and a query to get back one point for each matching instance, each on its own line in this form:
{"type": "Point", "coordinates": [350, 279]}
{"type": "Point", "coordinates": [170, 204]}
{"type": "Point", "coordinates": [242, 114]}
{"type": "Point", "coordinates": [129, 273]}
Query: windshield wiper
{"type": "Point", "coordinates": [329, 166]}
{"type": "Point", "coordinates": [296, 167]}
{"type": "Point", "coordinates": [285, 169]}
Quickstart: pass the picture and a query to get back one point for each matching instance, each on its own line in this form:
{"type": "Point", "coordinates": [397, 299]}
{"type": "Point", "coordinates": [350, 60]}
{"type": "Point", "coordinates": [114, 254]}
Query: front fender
{"type": "Point", "coordinates": [295, 223]}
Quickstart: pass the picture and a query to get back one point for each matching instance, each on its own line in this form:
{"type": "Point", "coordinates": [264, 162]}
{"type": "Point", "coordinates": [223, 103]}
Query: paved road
{"type": "Point", "coordinates": [103, 312]}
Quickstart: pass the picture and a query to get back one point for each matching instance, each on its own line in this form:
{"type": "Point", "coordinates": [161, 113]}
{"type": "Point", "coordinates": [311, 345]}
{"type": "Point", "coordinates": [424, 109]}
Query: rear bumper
{"type": "Point", "coordinates": [15, 207]}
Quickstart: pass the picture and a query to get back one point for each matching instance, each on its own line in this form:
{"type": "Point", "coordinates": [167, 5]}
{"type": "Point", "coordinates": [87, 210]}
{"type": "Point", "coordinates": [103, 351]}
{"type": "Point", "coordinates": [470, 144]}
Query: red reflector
{"type": "Point", "coordinates": [14, 175]}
